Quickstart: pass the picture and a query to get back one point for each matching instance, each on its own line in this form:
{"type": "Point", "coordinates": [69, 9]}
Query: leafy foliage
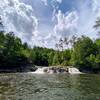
{"type": "Point", "coordinates": [85, 53]}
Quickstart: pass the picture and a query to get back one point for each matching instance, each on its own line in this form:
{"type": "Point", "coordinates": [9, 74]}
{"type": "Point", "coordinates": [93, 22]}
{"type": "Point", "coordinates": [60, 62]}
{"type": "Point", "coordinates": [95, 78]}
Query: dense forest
{"type": "Point", "coordinates": [81, 52]}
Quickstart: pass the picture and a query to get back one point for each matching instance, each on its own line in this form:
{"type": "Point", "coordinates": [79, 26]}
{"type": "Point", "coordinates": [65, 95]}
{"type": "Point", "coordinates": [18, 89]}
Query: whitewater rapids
{"type": "Point", "coordinates": [51, 70]}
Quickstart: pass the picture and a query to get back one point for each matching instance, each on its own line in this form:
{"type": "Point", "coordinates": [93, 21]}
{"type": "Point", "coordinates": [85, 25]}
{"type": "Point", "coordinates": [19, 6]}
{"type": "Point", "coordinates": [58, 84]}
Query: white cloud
{"type": "Point", "coordinates": [96, 5]}
{"type": "Point", "coordinates": [66, 24]}
{"type": "Point", "coordinates": [45, 2]}
{"type": "Point", "coordinates": [52, 1]}
{"type": "Point", "coordinates": [59, 1]}
{"type": "Point", "coordinates": [88, 12]}
{"type": "Point", "coordinates": [19, 18]}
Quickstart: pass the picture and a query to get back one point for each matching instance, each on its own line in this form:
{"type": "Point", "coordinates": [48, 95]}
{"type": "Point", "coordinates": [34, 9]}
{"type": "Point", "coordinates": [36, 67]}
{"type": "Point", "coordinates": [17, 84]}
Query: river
{"type": "Point", "coordinates": [28, 86]}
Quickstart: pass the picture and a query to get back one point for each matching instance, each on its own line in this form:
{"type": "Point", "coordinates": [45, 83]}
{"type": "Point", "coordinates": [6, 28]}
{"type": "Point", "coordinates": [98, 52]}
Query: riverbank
{"type": "Point", "coordinates": [18, 69]}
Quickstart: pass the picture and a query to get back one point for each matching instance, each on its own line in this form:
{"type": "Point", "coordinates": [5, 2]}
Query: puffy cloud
{"type": "Point", "coordinates": [96, 5]}
{"type": "Point", "coordinates": [53, 2]}
{"type": "Point", "coordinates": [66, 24]}
{"type": "Point", "coordinates": [59, 1]}
{"type": "Point", "coordinates": [45, 2]}
{"type": "Point", "coordinates": [88, 12]}
{"type": "Point", "coordinates": [19, 18]}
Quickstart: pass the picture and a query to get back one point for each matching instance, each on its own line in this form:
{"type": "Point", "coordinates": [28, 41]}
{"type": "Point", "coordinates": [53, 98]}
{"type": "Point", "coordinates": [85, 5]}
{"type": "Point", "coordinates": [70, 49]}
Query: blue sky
{"type": "Point", "coordinates": [43, 22]}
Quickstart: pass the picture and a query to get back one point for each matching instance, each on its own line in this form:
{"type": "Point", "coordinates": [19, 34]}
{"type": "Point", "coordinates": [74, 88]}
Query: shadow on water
{"type": "Point", "coordinates": [26, 86]}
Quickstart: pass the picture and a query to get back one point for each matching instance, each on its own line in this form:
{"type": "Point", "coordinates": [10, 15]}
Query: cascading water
{"type": "Point", "coordinates": [74, 71]}
{"type": "Point", "coordinates": [51, 70]}
{"type": "Point", "coordinates": [40, 71]}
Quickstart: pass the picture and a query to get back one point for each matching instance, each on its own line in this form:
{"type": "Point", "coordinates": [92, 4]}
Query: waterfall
{"type": "Point", "coordinates": [74, 71]}
{"type": "Point", "coordinates": [40, 70]}
{"type": "Point", "coordinates": [52, 70]}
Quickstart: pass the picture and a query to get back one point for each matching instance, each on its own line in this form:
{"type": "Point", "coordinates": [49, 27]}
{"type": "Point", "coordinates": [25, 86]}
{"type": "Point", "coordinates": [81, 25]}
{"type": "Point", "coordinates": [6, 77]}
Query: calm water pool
{"type": "Point", "coordinates": [27, 86]}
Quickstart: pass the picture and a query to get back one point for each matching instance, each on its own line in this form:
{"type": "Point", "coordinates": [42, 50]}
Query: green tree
{"type": "Point", "coordinates": [97, 42]}
{"type": "Point", "coordinates": [56, 59]}
{"type": "Point", "coordinates": [83, 48]}
{"type": "Point", "coordinates": [50, 57]}
{"type": "Point", "coordinates": [66, 56]}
